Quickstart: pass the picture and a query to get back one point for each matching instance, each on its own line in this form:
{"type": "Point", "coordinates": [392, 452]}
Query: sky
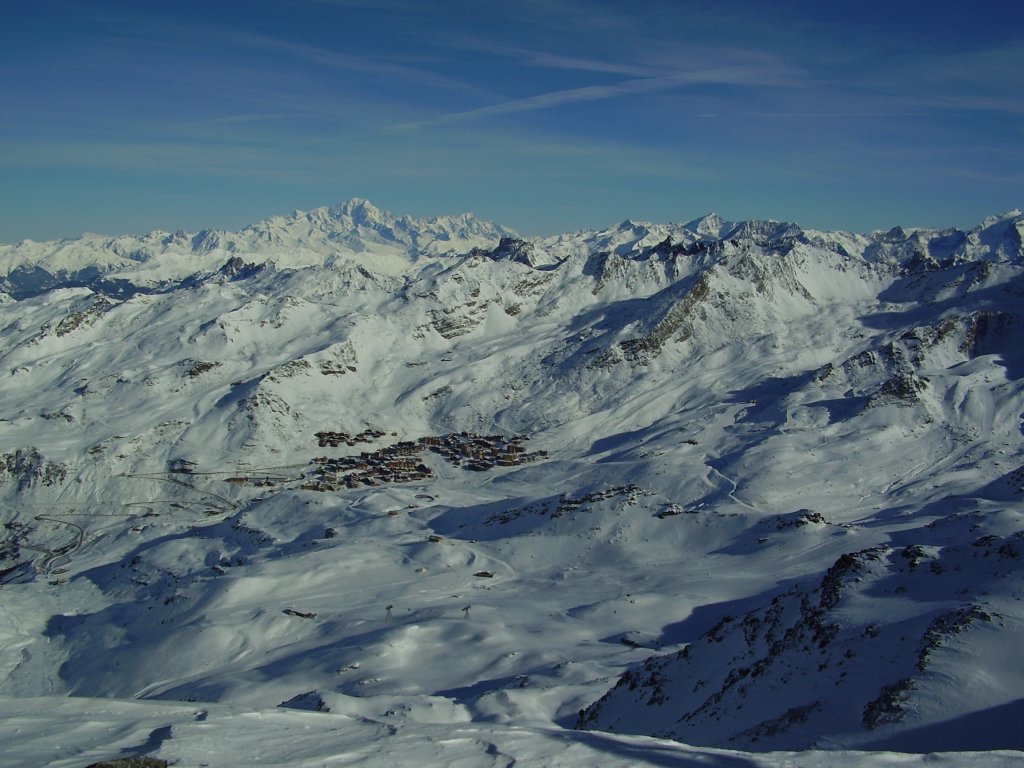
{"type": "Point", "coordinates": [544, 115]}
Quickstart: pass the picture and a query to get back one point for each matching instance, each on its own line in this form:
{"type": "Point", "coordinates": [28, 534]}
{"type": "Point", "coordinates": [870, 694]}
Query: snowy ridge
{"type": "Point", "coordinates": [354, 231]}
{"type": "Point", "coordinates": [739, 485]}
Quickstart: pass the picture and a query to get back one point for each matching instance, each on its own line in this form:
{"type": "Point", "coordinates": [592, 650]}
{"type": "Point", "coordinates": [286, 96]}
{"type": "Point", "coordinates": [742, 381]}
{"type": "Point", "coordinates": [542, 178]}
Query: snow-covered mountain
{"type": "Point", "coordinates": [354, 232]}
{"type": "Point", "coordinates": [738, 485]}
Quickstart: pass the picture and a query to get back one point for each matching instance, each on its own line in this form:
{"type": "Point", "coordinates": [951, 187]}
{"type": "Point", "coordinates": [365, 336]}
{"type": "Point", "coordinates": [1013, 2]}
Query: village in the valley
{"type": "Point", "coordinates": [401, 462]}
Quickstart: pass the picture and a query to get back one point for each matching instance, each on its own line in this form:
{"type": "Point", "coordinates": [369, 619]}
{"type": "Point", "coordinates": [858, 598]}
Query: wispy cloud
{"type": "Point", "coordinates": [728, 75]}
{"type": "Point", "coordinates": [364, 65]}
{"type": "Point", "coordinates": [547, 60]}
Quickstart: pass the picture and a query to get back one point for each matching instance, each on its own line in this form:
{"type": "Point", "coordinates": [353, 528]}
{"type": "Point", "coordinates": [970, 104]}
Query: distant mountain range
{"type": "Point", "coordinates": [356, 231]}
{"type": "Point", "coordinates": [742, 485]}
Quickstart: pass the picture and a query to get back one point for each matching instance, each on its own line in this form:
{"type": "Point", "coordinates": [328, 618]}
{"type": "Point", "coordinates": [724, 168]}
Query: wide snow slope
{"type": "Point", "coordinates": [766, 494]}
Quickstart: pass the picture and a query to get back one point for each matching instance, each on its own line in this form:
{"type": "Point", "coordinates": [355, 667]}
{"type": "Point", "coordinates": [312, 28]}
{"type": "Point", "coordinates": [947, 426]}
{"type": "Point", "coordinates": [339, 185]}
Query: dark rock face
{"type": "Point", "coordinates": [515, 249]}
{"type": "Point", "coordinates": [27, 467]}
{"type": "Point", "coordinates": [311, 701]}
{"type": "Point", "coordinates": [746, 682]}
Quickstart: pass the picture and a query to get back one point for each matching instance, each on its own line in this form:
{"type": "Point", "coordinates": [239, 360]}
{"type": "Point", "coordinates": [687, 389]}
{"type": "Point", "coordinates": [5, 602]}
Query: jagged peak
{"type": "Point", "coordinates": [361, 211]}
{"type": "Point", "coordinates": [708, 225]}
{"type": "Point", "coordinates": [763, 230]}
{"type": "Point", "coordinates": [1004, 223]}
{"type": "Point", "coordinates": [1010, 215]}
{"type": "Point", "coordinates": [1001, 236]}
{"type": "Point", "coordinates": [633, 224]}
{"type": "Point", "coordinates": [713, 226]}
{"type": "Point", "coordinates": [515, 249]}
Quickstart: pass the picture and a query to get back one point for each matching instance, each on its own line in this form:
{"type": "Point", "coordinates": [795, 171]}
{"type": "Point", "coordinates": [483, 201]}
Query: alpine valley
{"type": "Point", "coordinates": [348, 488]}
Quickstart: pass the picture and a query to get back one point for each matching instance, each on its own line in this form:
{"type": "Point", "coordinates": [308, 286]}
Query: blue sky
{"type": "Point", "coordinates": [545, 115]}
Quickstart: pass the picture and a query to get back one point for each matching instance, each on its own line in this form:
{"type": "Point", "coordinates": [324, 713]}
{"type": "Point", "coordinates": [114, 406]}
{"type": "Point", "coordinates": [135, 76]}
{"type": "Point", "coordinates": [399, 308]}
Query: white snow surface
{"type": "Point", "coordinates": [773, 514]}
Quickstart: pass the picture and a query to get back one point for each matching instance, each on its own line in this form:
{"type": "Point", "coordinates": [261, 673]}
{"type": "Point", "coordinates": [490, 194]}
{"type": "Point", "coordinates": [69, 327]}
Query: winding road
{"type": "Point", "coordinates": [62, 555]}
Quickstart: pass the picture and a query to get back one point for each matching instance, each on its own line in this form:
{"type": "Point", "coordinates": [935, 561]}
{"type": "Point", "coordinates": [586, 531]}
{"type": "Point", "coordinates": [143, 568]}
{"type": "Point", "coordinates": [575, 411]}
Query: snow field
{"type": "Point", "coordinates": [762, 452]}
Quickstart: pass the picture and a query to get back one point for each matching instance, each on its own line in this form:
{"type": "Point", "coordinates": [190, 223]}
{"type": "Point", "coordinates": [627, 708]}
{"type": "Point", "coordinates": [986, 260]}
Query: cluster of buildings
{"type": "Point", "coordinates": [335, 439]}
{"type": "Point", "coordinates": [399, 462]}
{"type": "Point", "coordinates": [386, 465]}
{"type": "Point", "coordinates": [481, 452]}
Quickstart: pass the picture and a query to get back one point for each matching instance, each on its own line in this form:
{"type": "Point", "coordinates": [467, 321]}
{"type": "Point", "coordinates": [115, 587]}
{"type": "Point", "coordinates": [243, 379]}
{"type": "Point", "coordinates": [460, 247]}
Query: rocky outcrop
{"type": "Point", "coordinates": [862, 638]}
{"type": "Point", "coordinates": [27, 468]}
